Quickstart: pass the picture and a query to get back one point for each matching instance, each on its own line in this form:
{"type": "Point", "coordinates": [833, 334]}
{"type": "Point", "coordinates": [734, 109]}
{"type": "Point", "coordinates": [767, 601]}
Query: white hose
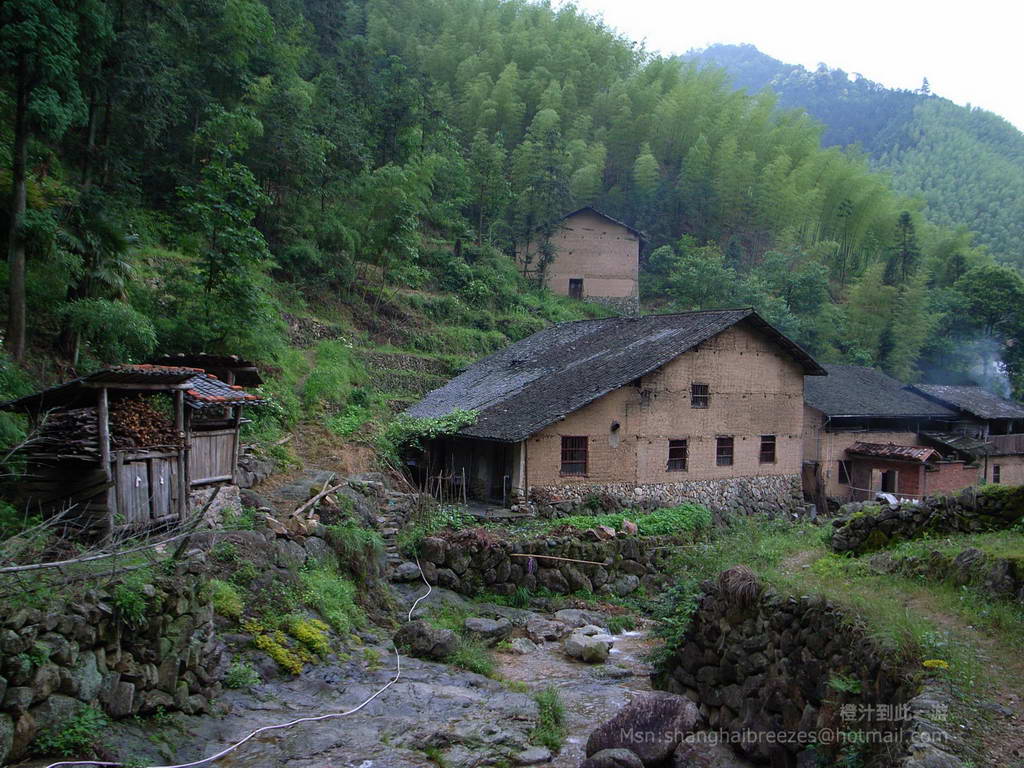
{"type": "Point", "coordinates": [266, 728]}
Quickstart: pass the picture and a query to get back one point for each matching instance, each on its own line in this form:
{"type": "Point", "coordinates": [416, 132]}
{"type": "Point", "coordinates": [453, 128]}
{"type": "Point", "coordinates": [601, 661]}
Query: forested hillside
{"type": "Point", "coordinates": [187, 176]}
{"type": "Point", "coordinates": [965, 163]}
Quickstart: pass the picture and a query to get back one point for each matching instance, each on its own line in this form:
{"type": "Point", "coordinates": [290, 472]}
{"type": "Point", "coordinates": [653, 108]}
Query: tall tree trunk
{"type": "Point", "coordinates": [15, 340]}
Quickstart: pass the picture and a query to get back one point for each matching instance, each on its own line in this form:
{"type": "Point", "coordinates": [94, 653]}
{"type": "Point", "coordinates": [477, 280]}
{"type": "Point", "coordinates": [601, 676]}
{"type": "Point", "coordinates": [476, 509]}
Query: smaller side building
{"type": "Point", "coordinates": [865, 432]}
{"type": "Point", "coordinates": [595, 258]}
{"type": "Point", "coordinates": [997, 421]}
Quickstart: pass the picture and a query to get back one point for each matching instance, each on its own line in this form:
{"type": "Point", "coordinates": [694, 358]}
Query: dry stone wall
{"type": "Point", "coordinates": [864, 527]}
{"type": "Point", "coordinates": [469, 563]}
{"type": "Point", "coordinates": [775, 495]}
{"type": "Point", "coordinates": [55, 663]}
{"type": "Point", "coordinates": [760, 664]}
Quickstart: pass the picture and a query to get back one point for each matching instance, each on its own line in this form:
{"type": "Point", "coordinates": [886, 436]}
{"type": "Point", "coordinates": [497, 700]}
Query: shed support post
{"type": "Point", "coordinates": [184, 485]}
{"type": "Point", "coordinates": [236, 424]}
{"type": "Point", "coordinates": [103, 422]}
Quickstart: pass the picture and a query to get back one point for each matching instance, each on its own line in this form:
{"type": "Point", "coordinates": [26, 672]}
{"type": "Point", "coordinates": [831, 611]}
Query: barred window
{"type": "Point", "coordinates": [996, 473]}
{"type": "Point", "coordinates": [767, 449]}
{"type": "Point", "coordinates": [844, 472]}
{"type": "Point", "coordinates": [574, 455]}
{"type": "Point", "coordinates": [677, 456]}
{"type": "Point", "coordinates": [723, 452]}
{"type": "Point", "coordinates": [700, 395]}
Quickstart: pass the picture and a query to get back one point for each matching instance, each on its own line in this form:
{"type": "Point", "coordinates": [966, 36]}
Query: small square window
{"type": "Point", "coordinates": [700, 395]}
{"type": "Point", "coordinates": [723, 452]}
{"type": "Point", "coordinates": [996, 473]}
{"type": "Point", "coordinates": [575, 287]}
{"type": "Point", "coordinates": [767, 449]}
{"type": "Point", "coordinates": [574, 455]}
{"type": "Point", "coordinates": [844, 473]}
{"type": "Point", "coordinates": [677, 456]}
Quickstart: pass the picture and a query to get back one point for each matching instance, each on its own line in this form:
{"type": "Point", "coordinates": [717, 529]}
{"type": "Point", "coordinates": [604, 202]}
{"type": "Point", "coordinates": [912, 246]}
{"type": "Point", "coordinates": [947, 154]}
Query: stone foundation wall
{"type": "Point", "coordinates": [624, 305]}
{"type": "Point", "coordinates": [775, 495]}
{"type": "Point", "coordinates": [55, 663]}
{"type": "Point", "coordinates": [469, 562]}
{"type": "Point", "coordinates": [1000, 577]}
{"type": "Point", "coordinates": [757, 662]}
{"type": "Point", "coordinates": [865, 527]}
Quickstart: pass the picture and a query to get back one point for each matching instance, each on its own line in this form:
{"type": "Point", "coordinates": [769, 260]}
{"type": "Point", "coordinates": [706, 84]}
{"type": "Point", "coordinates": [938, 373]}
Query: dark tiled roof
{"type": "Point", "coordinates": [892, 451]}
{"type": "Point", "coordinates": [961, 443]}
{"type": "Point", "coordinates": [853, 390]}
{"type": "Point", "coordinates": [69, 393]}
{"type": "Point", "coordinates": [973, 400]}
{"type": "Point", "coordinates": [206, 391]}
{"type": "Point", "coordinates": [523, 388]}
{"type": "Point", "coordinates": [592, 209]}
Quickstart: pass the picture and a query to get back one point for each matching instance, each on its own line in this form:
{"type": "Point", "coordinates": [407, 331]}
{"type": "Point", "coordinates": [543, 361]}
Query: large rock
{"type": "Point", "coordinates": [433, 549]}
{"type": "Point", "coordinates": [577, 617]}
{"type": "Point", "coordinates": [6, 737]}
{"type": "Point", "coordinates": [406, 572]}
{"type": "Point", "coordinates": [489, 630]}
{"type": "Point", "coordinates": [539, 629]}
{"type": "Point", "coordinates": [425, 641]}
{"type": "Point", "coordinates": [523, 646]}
{"type": "Point", "coordinates": [650, 726]}
{"type": "Point", "coordinates": [592, 649]}
{"type": "Point", "coordinates": [625, 584]}
{"type": "Point", "coordinates": [533, 756]}
{"type": "Point", "coordinates": [613, 758]}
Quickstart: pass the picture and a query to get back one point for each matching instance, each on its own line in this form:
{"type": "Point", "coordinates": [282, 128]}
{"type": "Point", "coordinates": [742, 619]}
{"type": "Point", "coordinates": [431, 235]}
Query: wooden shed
{"type": "Point", "coordinates": [121, 449]}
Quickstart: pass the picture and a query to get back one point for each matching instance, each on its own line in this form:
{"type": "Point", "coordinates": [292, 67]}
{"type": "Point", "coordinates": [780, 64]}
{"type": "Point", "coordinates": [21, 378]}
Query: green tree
{"type": "Point", "coordinates": [40, 57]}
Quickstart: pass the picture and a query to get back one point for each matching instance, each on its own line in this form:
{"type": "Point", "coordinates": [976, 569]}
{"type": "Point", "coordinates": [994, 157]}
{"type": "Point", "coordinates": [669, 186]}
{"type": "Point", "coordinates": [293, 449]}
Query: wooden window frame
{"type": "Point", "coordinates": [572, 464]}
{"type": "Point", "coordinates": [843, 475]}
{"type": "Point", "coordinates": [700, 395]}
{"type": "Point", "coordinates": [575, 287]}
{"type": "Point", "coordinates": [997, 474]}
{"type": "Point", "coordinates": [723, 458]}
{"type": "Point", "coordinates": [677, 462]}
{"type": "Point", "coordinates": [768, 456]}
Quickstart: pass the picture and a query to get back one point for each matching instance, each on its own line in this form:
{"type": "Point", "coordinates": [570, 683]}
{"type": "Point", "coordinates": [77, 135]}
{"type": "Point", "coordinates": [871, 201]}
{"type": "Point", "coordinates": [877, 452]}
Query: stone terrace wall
{"type": "Point", "coordinates": [864, 527]}
{"type": "Point", "coordinates": [758, 662]}
{"type": "Point", "coordinates": [775, 495]}
{"type": "Point", "coordinates": [1000, 577]}
{"type": "Point", "coordinates": [55, 663]}
{"type": "Point", "coordinates": [470, 562]}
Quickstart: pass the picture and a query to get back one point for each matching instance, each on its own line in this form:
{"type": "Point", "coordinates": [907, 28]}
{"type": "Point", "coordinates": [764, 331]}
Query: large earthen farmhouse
{"type": "Point", "coordinates": [647, 410]}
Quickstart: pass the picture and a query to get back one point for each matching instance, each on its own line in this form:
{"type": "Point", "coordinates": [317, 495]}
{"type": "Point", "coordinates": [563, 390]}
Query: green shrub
{"type": "Point", "coordinates": [335, 373]}
{"type": "Point", "coordinates": [130, 600]}
{"type": "Point", "coordinates": [550, 728]}
{"type": "Point", "coordinates": [333, 596]}
{"type": "Point", "coordinates": [474, 656]}
{"type": "Point", "coordinates": [429, 522]}
{"type": "Point", "coordinates": [358, 548]}
{"type": "Point", "coordinates": [685, 518]}
{"type": "Point", "coordinates": [74, 736]}
{"type": "Point", "coordinates": [621, 623]}
{"type": "Point", "coordinates": [225, 599]}
{"type": "Point", "coordinates": [241, 674]}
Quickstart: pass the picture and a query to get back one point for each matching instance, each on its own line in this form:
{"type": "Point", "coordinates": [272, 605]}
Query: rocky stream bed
{"type": "Point", "coordinates": [433, 711]}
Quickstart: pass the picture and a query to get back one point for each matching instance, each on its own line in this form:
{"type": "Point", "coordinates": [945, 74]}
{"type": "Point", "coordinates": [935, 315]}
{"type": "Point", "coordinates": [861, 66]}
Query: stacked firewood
{"type": "Point", "coordinates": [134, 423]}
{"type": "Point", "coordinates": [73, 432]}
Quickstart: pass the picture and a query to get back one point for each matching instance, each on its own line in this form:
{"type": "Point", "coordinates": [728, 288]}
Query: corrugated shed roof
{"type": "Point", "coordinates": [855, 390]}
{"type": "Point", "coordinates": [245, 371]}
{"type": "Point", "coordinates": [973, 400]}
{"type": "Point", "coordinates": [535, 382]}
{"type": "Point", "coordinates": [962, 443]}
{"type": "Point", "coordinates": [206, 391]}
{"type": "Point", "coordinates": [918, 453]}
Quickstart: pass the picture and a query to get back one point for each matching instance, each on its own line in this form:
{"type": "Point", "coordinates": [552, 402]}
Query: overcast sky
{"type": "Point", "coordinates": [969, 51]}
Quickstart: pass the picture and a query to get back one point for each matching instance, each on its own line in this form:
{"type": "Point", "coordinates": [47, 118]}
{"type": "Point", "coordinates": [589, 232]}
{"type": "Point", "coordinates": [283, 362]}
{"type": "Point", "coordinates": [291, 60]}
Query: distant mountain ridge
{"type": "Point", "coordinates": [966, 164]}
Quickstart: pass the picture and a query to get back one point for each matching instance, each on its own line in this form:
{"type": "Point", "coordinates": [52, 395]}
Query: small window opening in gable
{"type": "Point", "coordinates": [574, 455]}
{"type": "Point", "coordinates": [700, 395]}
{"type": "Point", "coordinates": [724, 451]}
{"type": "Point", "coordinates": [678, 454]}
{"type": "Point", "coordinates": [767, 449]}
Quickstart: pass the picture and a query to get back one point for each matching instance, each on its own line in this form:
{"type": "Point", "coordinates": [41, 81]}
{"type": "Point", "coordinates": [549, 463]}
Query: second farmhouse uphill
{"type": "Point", "coordinates": [645, 411]}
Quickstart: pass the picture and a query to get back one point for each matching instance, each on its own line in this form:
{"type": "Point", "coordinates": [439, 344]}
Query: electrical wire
{"type": "Point", "coordinates": [267, 728]}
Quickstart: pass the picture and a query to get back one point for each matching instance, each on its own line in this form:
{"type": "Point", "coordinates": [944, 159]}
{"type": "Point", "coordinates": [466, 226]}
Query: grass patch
{"type": "Point", "coordinates": [241, 675]}
{"type": "Point", "coordinates": [73, 736]}
{"type": "Point", "coordinates": [335, 373]}
{"type": "Point", "coordinates": [621, 623]}
{"type": "Point", "coordinates": [357, 547]}
{"type": "Point", "coordinates": [550, 728]}
{"type": "Point", "coordinates": [333, 597]}
{"type": "Point", "coordinates": [226, 599]}
{"type": "Point", "coordinates": [430, 521]}
{"type": "Point", "coordinates": [474, 656]}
